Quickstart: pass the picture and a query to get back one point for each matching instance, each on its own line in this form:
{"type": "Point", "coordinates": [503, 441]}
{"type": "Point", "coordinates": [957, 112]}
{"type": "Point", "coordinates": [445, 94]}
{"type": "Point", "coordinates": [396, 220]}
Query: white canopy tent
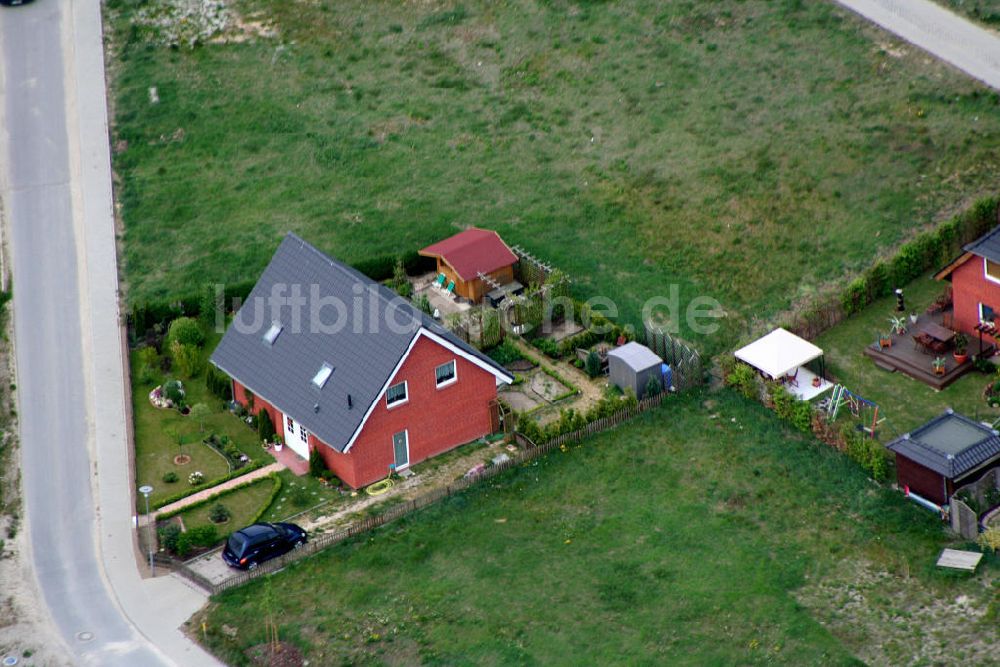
{"type": "Point", "coordinates": [779, 353]}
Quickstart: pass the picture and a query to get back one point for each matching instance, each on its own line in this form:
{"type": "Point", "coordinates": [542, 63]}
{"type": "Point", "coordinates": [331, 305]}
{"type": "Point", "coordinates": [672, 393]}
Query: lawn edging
{"type": "Point", "coordinates": [253, 465]}
{"type": "Point", "coordinates": [216, 496]}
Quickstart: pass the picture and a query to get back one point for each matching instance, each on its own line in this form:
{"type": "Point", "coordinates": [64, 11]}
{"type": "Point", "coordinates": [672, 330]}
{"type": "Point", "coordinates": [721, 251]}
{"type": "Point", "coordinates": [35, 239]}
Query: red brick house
{"type": "Point", "coordinates": [975, 282]}
{"type": "Point", "coordinates": [462, 258]}
{"type": "Point", "coordinates": [346, 367]}
{"type": "Point", "coordinates": [944, 454]}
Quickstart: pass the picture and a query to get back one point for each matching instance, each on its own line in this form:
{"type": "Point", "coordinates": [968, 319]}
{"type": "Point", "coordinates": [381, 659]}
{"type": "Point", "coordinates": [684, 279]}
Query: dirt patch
{"type": "Point", "coordinates": [281, 654]}
{"type": "Point", "coordinates": [182, 460]}
{"type": "Point", "coordinates": [891, 618]}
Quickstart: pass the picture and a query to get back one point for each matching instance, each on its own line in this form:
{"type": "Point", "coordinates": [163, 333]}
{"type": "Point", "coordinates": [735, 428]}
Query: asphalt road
{"type": "Point", "coordinates": [945, 35]}
{"type": "Point", "coordinates": [55, 185]}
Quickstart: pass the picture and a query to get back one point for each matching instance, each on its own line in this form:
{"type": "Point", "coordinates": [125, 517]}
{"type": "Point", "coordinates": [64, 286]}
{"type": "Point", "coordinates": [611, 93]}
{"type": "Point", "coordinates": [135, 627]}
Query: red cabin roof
{"type": "Point", "coordinates": [472, 252]}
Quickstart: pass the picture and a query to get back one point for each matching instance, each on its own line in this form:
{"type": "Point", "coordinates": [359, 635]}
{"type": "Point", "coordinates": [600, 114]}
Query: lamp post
{"type": "Point", "coordinates": [145, 491]}
{"type": "Point", "coordinates": [900, 303]}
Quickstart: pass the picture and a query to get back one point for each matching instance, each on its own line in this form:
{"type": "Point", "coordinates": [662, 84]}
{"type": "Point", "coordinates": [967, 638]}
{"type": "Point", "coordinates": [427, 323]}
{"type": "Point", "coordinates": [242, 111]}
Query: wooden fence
{"type": "Point", "coordinates": [685, 362]}
{"type": "Point", "coordinates": [529, 451]}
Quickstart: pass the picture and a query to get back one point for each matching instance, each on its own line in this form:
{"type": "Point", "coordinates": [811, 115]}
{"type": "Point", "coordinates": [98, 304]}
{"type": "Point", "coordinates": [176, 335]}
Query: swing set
{"type": "Point", "coordinates": [861, 409]}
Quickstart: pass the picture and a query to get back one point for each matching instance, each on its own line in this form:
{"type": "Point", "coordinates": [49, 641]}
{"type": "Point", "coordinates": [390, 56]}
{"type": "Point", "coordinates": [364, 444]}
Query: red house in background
{"type": "Point", "coordinates": [348, 368]}
{"type": "Point", "coordinates": [975, 281]}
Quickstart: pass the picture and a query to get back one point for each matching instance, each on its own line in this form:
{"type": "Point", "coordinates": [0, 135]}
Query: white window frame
{"type": "Point", "coordinates": [995, 313]}
{"type": "Point", "coordinates": [290, 423]}
{"type": "Point", "coordinates": [303, 434]}
{"type": "Point", "coordinates": [454, 374]}
{"type": "Point", "coordinates": [401, 401]}
{"type": "Point", "coordinates": [986, 272]}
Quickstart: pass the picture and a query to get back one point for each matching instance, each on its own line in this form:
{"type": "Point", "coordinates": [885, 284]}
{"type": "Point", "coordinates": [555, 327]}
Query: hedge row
{"type": "Point", "coordinates": [927, 251]}
{"type": "Point", "coordinates": [145, 314]}
{"type": "Point", "coordinates": [253, 465]}
{"type": "Point", "coordinates": [218, 496]}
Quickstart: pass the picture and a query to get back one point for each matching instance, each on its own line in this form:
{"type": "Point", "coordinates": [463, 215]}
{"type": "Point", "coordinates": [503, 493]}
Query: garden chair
{"type": "Point", "coordinates": [439, 281]}
{"type": "Point", "coordinates": [451, 288]}
{"type": "Point", "coordinates": [792, 379]}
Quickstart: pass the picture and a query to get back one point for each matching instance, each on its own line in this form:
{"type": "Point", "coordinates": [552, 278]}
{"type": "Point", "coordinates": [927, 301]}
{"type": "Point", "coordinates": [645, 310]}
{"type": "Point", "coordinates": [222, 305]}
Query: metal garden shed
{"type": "Point", "coordinates": [631, 365]}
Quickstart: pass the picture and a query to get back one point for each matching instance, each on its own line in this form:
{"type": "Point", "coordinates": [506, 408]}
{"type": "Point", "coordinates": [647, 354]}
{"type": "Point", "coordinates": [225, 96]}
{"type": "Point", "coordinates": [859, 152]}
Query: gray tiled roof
{"type": "Point", "coordinates": [636, 355]}
{"type": "Point", "coordinates": [362, 351]}
{"type": "Point", "coordinates": [987, 246]}
{"type": "Point", "coordinates": [923, 445]}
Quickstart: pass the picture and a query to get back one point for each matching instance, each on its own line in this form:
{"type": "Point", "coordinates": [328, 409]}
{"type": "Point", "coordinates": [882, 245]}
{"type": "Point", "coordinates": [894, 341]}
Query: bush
{"type": "Point", "coordinates": [173, 391]}
{"type": "Point", "coordinates": [183, 545]}
{"type": "Point", "coordinates": [505, 353]}
{"type": "Point", "coordinates": [744, 380]}
{"type": "Point", "coordinates": [547, 346]}
{"type": "Point", "coordinates": [186, 331]}
{"type": "Point", "coordinates": [868, 453]}
{"type": "Point", "coordinates": [219, 513]}
{"type": "Point", "coordinates": [990, 539]}
{"type": "Point", "coordinates": [530, 429]}
{"type": "Point", "coordinates": [265, 427]}
{"type": "Point", "coordinates": [219, 384]}
{"type": "Point", "coordinates": [203, 536]}
{"type": "Point", "coordinates": [169, 535]}
{"type": "Point", "coordinates": [170, 477]}
{"type": "Point", "coordinates": [196, 478]}
{"type": "Point", "coordinates": [653, 387]}
{"type": "Point", "coordinates": [593, 364]}
{"type": "Point", "coordinates": [187, 358]}
{"type": "Point", "coordinates": [317, 466]}
{"type": "Point", "coordinates": [149, 364]}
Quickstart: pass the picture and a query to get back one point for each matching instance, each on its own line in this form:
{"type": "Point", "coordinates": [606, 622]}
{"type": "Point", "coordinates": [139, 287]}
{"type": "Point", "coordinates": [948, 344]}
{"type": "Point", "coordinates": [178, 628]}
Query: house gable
{"type": "Point", "coordinates": [435, 417]}
{"type": "Point", "coordinates": [399, 375]}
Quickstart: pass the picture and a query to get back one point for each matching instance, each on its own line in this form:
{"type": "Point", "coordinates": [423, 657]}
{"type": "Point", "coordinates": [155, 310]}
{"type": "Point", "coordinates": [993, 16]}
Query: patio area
{"type": "Point", "coordinates": [444, 304]}
{"type": "Point", "coordinates": [908, 354]}
{"type": "Point", "coordinates": [783, 356]}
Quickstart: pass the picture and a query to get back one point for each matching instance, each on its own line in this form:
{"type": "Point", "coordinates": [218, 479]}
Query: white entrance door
{"type": "Point", "coordinates": [296, 437]}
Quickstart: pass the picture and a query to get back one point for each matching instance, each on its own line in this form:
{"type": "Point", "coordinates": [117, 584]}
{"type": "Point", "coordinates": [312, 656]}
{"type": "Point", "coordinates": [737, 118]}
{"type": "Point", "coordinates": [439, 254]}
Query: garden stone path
{"type": "Point", "coordinates": [218, 488]}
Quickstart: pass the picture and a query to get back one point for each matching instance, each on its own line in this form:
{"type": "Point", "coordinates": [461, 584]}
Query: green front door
{"type": "Point", "coordinates": [401, 450]}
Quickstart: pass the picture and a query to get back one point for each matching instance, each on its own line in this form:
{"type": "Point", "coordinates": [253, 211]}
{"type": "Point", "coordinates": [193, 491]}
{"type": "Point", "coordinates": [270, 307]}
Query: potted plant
{"type": "Point", "coordinates": [278, 443]}
{"type": "Point", "coordinates": [938, 366]}
{"type": "Point", "coordinates": [913, 317]}
{"type": "Point", "coordinates": [884, 339]}
{"type": "Point", "coordinates": [961, 346]}
{"type": "Point", "coordinates": [898, 324]}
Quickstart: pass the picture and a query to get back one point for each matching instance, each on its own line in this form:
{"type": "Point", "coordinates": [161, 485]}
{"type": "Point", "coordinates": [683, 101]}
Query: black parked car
{"type": "Point", "coordinates": [251, 546]}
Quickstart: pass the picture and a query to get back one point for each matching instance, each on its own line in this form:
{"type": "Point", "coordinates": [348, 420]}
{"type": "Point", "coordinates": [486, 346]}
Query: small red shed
{"type": "Point", "coordinates": [466, 256]}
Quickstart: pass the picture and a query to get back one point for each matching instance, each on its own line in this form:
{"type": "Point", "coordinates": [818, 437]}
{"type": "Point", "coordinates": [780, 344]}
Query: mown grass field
{"type": "Point", "coordinates": [745, 150]}
{"type": "Point", "coordinates": [681, 538]}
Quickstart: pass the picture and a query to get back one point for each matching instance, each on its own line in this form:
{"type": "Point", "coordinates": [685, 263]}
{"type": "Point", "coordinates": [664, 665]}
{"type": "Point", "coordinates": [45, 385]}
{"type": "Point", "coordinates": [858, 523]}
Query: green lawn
{"type": "Point", "coordinates": [681, 538]}
{"type": "Point", "coordinates": [983, 11]}
{"type": "Point", "coordinates": [245, 504]}
{"type": "Point", "coordinates": [905, 402]}
{"type": "Point", "coordinates": [747, 150]}
{"type": "Point", "coordinates": [156, 447]}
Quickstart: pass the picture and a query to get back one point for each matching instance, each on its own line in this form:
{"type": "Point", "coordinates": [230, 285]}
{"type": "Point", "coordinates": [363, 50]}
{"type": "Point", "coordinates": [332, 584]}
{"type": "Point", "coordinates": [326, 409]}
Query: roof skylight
{"type": "Point", "coordinates": [272, 334]}
{"type": "Point", "coordinates": [322, 375]}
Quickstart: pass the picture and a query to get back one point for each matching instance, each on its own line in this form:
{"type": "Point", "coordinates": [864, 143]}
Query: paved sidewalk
{"type": "Point", "coordinates": [157, 607]}
{"type": "Point", "coordinates": [219, 488]}
{"type": "Point", "coordinates": [944, 34]}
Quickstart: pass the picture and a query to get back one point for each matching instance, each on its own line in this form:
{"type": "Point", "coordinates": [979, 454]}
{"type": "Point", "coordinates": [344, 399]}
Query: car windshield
{"type": "Point", "coordinates": [237, 542]}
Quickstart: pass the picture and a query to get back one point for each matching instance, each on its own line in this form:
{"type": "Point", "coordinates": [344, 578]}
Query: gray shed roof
{"type": "Point", "coordinates": [362, 339]}
{"type": "Point", "coordinates": [987, 245]}
{"type": "Point", "coordinates": [950, 444]}
{"type": "Point", "coordinates": [636, 355]}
